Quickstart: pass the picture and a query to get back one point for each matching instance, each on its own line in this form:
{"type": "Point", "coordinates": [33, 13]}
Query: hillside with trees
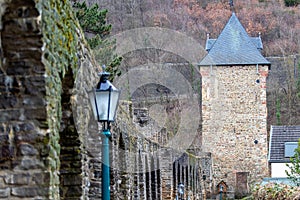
{"type": "Point", "coordinates": [277, 22]}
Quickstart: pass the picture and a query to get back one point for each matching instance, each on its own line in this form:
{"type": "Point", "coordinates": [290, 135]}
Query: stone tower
{"type": "Point", "coordinates": [234, 108]}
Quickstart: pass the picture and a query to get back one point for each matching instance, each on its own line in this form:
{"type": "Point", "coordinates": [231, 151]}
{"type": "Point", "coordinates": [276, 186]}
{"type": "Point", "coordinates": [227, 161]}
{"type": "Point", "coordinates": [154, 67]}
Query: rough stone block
{"type": "Point", "coordinates": [36, 101]}
{"type": "Point", "coordinates": [41, 178]}
{"type": "Point", "coordinates": [17, 179]}
{"type": "Point", "coordinates": [74, 191]}
{"type": "Point", "coordinates": [7, 152]}
{"type": "Point", "coordinates": [25, 53]}
{"type": "Point", "coordinates": [28, 149]}
{"type": "Point", "coordinates": [23, 127]}
{"type": "Point", "coordinates": [8, 101]}
{"type": "Point", "coordinates": [74, 179]}
{"type": "Point", "coordinates": [4, 193]}
{"type": "Point", "coordinates": [3, 138]}
{"type": "Point", "coordinates": [29, 163]}
{"type": "Point", "coordinates": [34, 85]}
{"type": "Point", "coordinates": [27, 67]}
{"type": "Point", "coordinates": [22, 26]}
{"type": "Point", "coordinates": [71, 157]}
{"type": "Point", "coordinates": [3, 129]}
{"type": "Point", "coordinates": [18, 68]}
{"type": "Point", "coordinates": [36, 113]}
{"type": "Point", "coordinates": [10, 115]}
{"type": "Point", "coordinates": [2, 183]}
{"type": "Point", "coordinates": [30, 137]}
{"type": "Point", "coordinates": [26, 192]}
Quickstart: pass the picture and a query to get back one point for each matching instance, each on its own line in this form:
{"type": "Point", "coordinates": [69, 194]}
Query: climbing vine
{"type": "Point", "coordinates": [294, 174]}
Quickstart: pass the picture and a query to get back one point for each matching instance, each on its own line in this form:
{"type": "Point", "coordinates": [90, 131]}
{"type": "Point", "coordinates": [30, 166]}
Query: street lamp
{"type": "Point", "coordinates": [104, 100]}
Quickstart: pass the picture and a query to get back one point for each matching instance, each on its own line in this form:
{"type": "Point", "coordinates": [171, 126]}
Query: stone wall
{"type": "Point", "coordinates": [25, 136]}
{"type": "Point", "coordinates": [50, 144]}
{"type": "Point", "coordinates": [235, 122]}
{"type": "Point", "coordinates": [144, 169]}
{"type": "Point", "coordinates": [41, 48]}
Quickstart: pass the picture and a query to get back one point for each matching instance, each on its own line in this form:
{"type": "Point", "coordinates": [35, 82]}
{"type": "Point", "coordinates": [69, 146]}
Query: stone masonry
{"type": "Point", "coordinates": [234, 122]}
{"type": "Point", "coordinates": [50, 145]}
{"type": "Point", "coordinates": [234, 107]}
{"type": "Point", "coordinates": [40, 53]}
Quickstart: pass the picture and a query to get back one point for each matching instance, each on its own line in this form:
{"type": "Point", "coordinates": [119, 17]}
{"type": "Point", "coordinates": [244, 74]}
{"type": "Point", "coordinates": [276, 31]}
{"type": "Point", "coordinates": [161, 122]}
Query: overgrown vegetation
{"type": "Point", "coordinates": [290, 3]}
{"type": "Point", "coordinates": [276, 191]}
{"type": "Point", "coordinates": [294, 167]}
{"type": "Point", "coordinates": [93, 22]}
{"type": "Point", "coordinates": [277, 23]}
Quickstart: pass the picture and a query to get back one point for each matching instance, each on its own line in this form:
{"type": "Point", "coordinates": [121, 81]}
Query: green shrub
{"type": "Point", "coordinates": [290, 3]}
{"type": "Point", "coordinates": [276, 191]}
{"type": "Point", "coordinates": [93, 22]}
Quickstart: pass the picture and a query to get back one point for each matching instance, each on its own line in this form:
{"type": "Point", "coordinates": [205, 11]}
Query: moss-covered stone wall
{"type": "Point", "coordinates": [50, 146]}
{"type": "Point", "coordinates": [60, 39]}
{"type": "Point", "coordinates": [41, 48]}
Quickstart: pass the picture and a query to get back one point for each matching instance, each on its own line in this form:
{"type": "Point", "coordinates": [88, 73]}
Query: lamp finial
{"type": "Point", "coordinates": [104, 72]}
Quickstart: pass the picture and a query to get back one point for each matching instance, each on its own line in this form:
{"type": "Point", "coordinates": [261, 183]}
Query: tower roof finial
{"type": "Point", "coordinates": [231, 5]}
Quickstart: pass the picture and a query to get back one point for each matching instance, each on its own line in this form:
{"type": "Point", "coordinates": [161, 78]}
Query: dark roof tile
{"type": "Point", "coordinates": [278, 137]}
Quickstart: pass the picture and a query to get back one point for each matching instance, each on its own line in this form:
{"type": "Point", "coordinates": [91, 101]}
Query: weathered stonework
{"type": "Point", "coordinates": [235, 122]}
{"type": "Point", "coordinates": [40, 47]}
{"type": "Point", "coordinates": [23, 107]}
{"type": "Point", "coordinates": [145, 169]}
{"type": "Point", "coordinates": [50, 145]}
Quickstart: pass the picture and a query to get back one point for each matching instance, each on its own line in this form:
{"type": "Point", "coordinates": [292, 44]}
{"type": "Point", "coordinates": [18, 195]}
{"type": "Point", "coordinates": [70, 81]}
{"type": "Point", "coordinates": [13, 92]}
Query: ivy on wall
{"type": "Point", "coordinates": [290, 3]}
{"type": "Point", "coordinates": [60, 30]}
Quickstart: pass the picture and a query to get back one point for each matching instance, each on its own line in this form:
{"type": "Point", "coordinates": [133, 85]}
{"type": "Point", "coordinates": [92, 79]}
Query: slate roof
{"type": "Point", "coordinates": [234, 47]}
{"type": "Point", "coordinates": [209, 43]}
{"type": "Point", "coordinates": [257, 42]}
{"type": "Point", "coordinates": [279, 135]}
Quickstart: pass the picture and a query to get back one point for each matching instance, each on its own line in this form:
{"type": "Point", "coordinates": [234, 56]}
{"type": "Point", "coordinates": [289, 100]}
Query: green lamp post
{"type": "Point", "coordinates": [104, 100]}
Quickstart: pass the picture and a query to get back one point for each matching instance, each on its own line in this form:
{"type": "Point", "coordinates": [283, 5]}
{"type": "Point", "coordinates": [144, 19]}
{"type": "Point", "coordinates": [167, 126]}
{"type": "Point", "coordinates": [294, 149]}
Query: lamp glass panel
{"type": "Point", "coordinates": [99, 101]}
{"type": "Point", "coordinates": [102, 100]}
{"type": "Point", "coordinates": [114, 100]}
